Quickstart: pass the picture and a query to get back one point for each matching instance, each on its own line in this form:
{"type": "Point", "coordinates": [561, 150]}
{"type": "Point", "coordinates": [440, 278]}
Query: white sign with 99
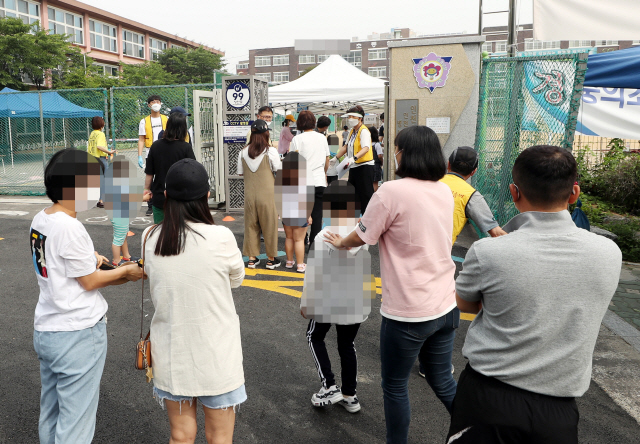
{"type": "Point", "coordinates": [238, 95]}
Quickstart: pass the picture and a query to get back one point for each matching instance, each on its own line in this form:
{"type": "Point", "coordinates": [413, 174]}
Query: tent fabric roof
{"type": "Point", "coordinates": [334, 80]}
{"type": "Point", "coordinates": [26, 104]}
{"type": "Point", "coordinates": [615, 69]}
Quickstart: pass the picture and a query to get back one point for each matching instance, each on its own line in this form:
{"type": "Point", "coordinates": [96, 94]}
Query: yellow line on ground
{"type": "Point", "coordinates": [276, 286]}
{"type": "Point", "coordinates": [254, 272]}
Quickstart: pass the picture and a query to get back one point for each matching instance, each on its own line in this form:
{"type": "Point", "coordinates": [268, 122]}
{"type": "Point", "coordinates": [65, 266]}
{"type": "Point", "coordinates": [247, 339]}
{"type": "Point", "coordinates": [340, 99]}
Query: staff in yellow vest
{"type": "Point", "coordinates": [360, 153]}
{"type": "Point", "coordinates": [469, 203]}
{"type": "Point", "coordinates": [148, 131]}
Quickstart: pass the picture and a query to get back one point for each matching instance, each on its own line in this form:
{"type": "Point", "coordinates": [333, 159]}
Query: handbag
{"type": "Point", "coordinates": [143, 348]}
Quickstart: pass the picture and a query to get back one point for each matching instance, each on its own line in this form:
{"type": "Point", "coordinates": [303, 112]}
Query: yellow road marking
{"type": "Point", "coordinates": [282, 286]}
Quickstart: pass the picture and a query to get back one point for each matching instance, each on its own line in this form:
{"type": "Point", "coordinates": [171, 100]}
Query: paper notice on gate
{"type": "Point", "coordinates": [343, 167]}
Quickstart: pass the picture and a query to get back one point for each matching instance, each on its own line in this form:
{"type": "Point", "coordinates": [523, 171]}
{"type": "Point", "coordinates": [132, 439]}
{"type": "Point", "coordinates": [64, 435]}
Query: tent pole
{"type": "Point", "coordinates": [64, 133]}
{"type": "Point", "coordinates": [10, 142]}
{"type": "Point", "coordinates": [44, 155]}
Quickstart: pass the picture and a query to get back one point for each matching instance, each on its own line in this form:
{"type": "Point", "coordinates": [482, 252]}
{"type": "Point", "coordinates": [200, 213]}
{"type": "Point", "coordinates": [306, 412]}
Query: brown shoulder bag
{"type": "Point", "coordinates": [143, 349]}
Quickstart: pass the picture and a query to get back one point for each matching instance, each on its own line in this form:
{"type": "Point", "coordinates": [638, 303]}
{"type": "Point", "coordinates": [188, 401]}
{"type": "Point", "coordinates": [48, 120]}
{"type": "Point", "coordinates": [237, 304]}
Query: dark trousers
{"type": "Point", "coordinates": [316, 216]}
{"type": "Point", "coordinates": [497, 413]}
{"type": "Point", "coordinates": [316, 333]}
{"type": "Point", "coordinates": [362, 180]}
{"type": "Point", "coordinates": [331, 179]}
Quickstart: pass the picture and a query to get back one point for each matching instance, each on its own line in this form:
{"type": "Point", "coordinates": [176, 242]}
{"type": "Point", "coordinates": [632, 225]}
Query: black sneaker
{"type": "Point", "coordinates": [253, 262]}
{"type": "Point", "coordinates": [149, 211]}
{"type": "Point", "coordinates": [272, 264]}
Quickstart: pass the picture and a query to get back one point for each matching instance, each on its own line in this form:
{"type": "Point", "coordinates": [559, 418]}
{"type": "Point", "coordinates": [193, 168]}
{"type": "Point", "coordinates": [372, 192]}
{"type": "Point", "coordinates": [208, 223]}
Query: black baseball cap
{"type": "Point", "coordinates": [259, 126]}
{"type": "Point", "coordinates": [179, 109]}
{"type": "Point", "coordinates": [464, 158]}
{"type": "Point", "coordinates": [186, 180]}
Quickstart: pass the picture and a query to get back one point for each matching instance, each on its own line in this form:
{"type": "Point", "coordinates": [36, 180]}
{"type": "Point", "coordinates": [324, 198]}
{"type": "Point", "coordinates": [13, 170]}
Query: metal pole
{"type": "Point", "coordinates": [113, 120]}
{"type": "Point", "coordinates": [44, 155]}
{"type": "Point", "coordinates": [106, 115]}
{"type": "Point", "coordinates": [11, 142]}
{"type": "Point", "coordinates": [480, 17]}
{"type": "Point", "coordinates": [513, 18]}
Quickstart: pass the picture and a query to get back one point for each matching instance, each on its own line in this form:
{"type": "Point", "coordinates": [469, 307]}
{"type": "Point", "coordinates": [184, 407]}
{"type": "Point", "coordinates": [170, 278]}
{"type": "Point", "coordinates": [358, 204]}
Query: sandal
{"type": "Point", "coordinates": [253, 262]}
{"type": "Point", "coordinates": [289, 264]}
{"type": "Point", "coordinates": [302, 268]}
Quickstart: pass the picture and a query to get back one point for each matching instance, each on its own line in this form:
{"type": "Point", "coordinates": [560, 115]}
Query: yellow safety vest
{"type": "Point", "coordinates": [148, 130]}
{"type": "Point", "coordinates": [356, 145]}
{"type": "Point", "coordinates": [462, 192]}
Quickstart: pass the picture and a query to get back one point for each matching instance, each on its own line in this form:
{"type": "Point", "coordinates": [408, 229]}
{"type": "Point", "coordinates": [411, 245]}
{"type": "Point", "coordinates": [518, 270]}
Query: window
{"type": "Point", "coordinates": [178, 46]}
{"type": "Point", "coordinates": [378, 71]}
{"type": "Point", "coordinates": [501, 46]}
{"type": "Point", "coordinates": [579, 43]}
{"type": "Point", "coordinates": [266, 76]}
{"type": "Point", "coordinates": [62, 22]}
{"type": "Point", "coordinates": [554, 44]}
{"type": "Point", "coordinates": [606, 42]}
{"type": "Point", "coordinates": [26, 11]}
{"type": "Point", "coordinates": [354, 57]}
{"type": "Point", "coordinates": [377, 54]}
{"type": "Point", "coordinates": [108, 70]}
{"type": "Point", "coordinates": [156, 47]}
{"type": "Point", "coordinates": [132, 44]}
{"type": "Point", "coordinates": [487, 47]}
{"type": "Point", "coordinates": [280, 60]}
{"type": "Point", "coordinates": [263, 60]}
{"type": "Point", "coordinates": [242, 66]}
{"type": "Point", "coordinates": [635, 42]}
{"type": "Point", "coordinates": [280, 76]}
{"type": "Point", "coordinates": [532, 45]}
{"type": "Point", "coordinates": [103, 36]}
{"type": "Point", "coordinates": [322, 58]}
{"type": "Point", "coordinates": [306, 59]}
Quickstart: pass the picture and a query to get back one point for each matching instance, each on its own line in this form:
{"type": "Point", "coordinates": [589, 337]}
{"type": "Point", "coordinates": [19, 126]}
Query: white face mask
{"type": "Point", "coordinates": [395, 159]}
{"type": "Point", "coordinates": [352, 122]}
{"type": "Point", "coordinates": [156, 107]}
{"type": "Point", "coordinates": [268, 122]}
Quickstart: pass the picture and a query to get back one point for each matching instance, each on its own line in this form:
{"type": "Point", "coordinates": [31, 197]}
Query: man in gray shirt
{"type": "Point", "coordinates": [540, 293]}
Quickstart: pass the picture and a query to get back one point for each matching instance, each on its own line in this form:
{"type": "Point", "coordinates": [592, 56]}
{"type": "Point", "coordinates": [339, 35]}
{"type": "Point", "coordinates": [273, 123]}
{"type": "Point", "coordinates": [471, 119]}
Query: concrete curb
{"type": "Point", "coordinates": [622, 328]}
{"type": "Point", "coordinates": [24, 200]}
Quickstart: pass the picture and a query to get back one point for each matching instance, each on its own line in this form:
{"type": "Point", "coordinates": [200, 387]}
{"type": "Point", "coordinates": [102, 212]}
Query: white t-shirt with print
{"type": "Point", "coordinates": [61, 251]}
{"type": "Point", "coordinates": [156, 127]}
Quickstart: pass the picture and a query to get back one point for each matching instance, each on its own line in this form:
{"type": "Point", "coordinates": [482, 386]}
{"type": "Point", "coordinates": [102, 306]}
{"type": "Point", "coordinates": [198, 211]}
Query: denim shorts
{"type": "Point", "coordinates": [230, 399]}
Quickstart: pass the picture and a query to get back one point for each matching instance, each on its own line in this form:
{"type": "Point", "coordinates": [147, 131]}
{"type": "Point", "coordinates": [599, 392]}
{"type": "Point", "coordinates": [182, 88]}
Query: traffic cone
{"type": "Point", "coordinates": [131, 233]}
{"type": "Point", "coordinates": [228, 219]}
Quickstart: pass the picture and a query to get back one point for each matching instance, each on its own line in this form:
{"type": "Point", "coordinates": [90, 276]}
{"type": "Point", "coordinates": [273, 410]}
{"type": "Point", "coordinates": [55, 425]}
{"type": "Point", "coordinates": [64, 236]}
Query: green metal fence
{"type": "Point", "coordinates": [524, 101]}
{"type": "Point", "coordinates": [36, 124]}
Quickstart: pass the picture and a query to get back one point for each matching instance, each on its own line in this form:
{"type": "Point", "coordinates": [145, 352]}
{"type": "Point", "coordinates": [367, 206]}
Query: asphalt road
{"type": "Point", "coordinates": [280, 374]}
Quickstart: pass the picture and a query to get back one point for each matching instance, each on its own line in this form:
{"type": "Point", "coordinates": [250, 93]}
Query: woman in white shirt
{"type": "Point", "coordinates": [192, 265]}
{"type": "Point", "coordinates": [314, 148]}
{"type": "Point", "coordinates": [257, 162]}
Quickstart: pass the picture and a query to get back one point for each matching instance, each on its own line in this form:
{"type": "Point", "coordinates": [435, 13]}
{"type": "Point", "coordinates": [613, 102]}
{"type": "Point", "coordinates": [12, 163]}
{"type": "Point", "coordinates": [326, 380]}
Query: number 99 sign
{"type": "Point", "coordinates": [238, 95]}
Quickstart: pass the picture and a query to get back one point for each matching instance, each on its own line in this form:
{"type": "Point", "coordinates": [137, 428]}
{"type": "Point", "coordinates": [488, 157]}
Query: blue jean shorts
{"type": "Point", "coordinates": [224, 401]}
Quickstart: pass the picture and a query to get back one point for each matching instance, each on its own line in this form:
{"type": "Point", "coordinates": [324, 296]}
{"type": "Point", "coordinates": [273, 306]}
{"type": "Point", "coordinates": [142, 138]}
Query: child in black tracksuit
{"type": "Point", "coordinates": [338, 288]}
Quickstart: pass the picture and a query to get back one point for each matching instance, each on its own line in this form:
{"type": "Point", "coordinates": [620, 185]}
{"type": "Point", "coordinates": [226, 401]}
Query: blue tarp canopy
{"type": "Point", "coordinates": [54, 106]}
{"type": "Point", "coordinates": [615, 69]}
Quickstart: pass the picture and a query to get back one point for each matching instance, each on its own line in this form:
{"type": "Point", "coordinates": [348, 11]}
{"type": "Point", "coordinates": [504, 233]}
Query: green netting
{"type": "Point", "coordinates": [36, 124]}
{"type": "Point", "coordinates": [524, 101]}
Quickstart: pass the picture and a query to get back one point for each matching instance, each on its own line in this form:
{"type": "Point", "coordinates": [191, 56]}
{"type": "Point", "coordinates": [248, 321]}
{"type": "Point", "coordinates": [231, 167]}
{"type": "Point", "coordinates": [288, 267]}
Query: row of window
{"type": "Point", "coordinates": [102, 35]}
{"type": "Point", "coordinates": [534, 45]}
{"type": "Point", "coordinates": [355, 58]}
{"type": "Point", "coordinates": [278, 77]}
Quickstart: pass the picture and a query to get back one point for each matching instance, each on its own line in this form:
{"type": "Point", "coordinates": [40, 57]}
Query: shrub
{"type": "Point", "coordinates": [627, 240]}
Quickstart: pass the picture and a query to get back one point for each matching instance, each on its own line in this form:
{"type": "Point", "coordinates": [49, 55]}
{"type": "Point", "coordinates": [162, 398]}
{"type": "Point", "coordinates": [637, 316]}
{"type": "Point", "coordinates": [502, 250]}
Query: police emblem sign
{"type": "Point", "coordinates": [431, 72]}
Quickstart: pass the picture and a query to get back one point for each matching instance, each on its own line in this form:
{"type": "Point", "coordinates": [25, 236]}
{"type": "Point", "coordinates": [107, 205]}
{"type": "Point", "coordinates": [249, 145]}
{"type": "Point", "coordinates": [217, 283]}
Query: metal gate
{"type": "Point", "coordinates": [207, 119]}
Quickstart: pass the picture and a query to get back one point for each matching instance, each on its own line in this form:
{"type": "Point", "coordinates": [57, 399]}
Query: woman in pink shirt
{"type": "Point", "coordinates": [412, 219]}
{"type": "Point", "coordinates": [286, 136]}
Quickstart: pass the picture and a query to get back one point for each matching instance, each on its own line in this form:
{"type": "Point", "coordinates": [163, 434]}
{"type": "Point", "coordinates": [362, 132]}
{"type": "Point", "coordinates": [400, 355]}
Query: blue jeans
{"type": "Point", "coordinates": [400, 344]}
{"type": "Point", "coordinates": [105, 163]}
{"type": "Point", "coordinates": [71, 364]}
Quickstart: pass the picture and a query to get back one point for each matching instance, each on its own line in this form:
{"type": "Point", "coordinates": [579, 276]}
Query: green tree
{"type": "Point", "coordinates": [146, 74]}
{"type": "Point", "coordinates": [28, 50]}
{"type": "Point", "coordinates": [191, 65]}
{"type": "Point", "coordinates": [306, 71]}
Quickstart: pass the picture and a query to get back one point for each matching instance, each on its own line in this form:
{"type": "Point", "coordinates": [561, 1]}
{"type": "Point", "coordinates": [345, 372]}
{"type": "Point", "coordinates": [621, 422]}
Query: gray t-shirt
{"type": "Point", "coordinates": [545, 288]}
{"type": "Point", "coordinates": [479, 212]}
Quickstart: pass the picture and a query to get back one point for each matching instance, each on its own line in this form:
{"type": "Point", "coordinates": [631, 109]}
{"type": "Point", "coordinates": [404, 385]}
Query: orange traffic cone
{"type": "Point", "coordinates": [228, 219]}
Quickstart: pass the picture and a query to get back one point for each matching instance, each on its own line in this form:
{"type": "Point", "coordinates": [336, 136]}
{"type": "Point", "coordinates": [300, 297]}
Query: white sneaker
{"type": "Point", "coordinates": [327, 396]}
{"type": "Point", "coordinates": [350, 403]}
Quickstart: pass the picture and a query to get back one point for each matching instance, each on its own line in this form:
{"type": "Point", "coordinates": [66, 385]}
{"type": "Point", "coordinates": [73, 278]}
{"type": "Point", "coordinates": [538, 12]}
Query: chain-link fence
{"type": "Point", "coordinates": [129, 106]}
{"type": "Point", "coordinates": [36, 124]}
{"type": "Point", "coordinates": [524, 101]}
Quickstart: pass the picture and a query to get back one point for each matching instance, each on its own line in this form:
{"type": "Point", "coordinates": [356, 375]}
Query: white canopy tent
{"type": "Point", "coordinates": [333, 86]}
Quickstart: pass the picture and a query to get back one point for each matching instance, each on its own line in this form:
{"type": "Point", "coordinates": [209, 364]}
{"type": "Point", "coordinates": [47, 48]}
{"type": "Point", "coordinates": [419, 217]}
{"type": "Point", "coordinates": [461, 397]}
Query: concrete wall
{"type": "Point", "coordinates": [458, 99]}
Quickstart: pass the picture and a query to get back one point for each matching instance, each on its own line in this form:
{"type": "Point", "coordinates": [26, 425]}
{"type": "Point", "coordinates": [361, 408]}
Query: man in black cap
{"type": "Point", "coordinates": [469, 203]}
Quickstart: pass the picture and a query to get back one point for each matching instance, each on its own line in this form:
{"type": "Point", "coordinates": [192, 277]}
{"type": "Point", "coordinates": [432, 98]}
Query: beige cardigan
{"type": "Point", "coordinates": [195, 331]}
